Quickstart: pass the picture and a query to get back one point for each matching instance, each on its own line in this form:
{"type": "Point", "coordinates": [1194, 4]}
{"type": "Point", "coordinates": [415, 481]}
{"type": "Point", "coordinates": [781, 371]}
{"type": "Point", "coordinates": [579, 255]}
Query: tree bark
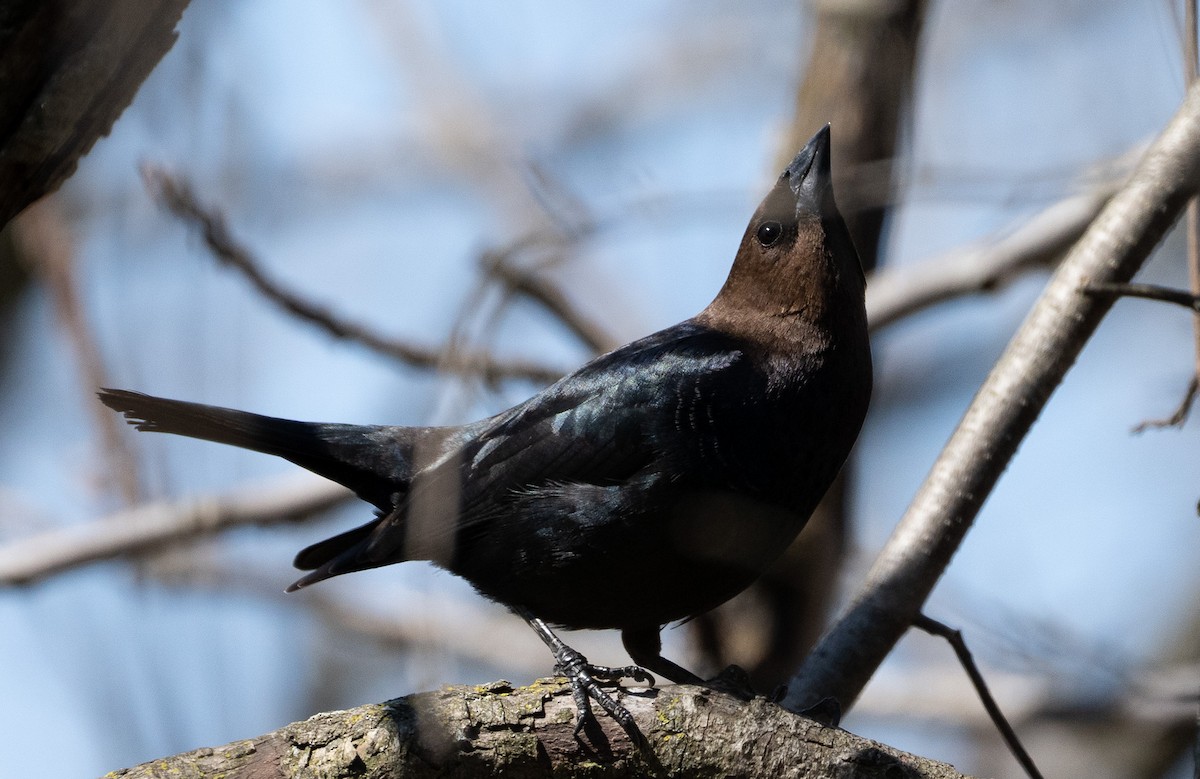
{"type": "Point", "coordinates": [68, 68]}
{"type": "Point", "coordinates": [484, 730]}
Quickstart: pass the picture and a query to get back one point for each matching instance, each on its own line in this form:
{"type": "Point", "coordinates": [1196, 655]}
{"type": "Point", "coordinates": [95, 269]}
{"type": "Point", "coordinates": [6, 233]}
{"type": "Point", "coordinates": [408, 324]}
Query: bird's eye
{"type": "Point", "coordinates": [769, 233]}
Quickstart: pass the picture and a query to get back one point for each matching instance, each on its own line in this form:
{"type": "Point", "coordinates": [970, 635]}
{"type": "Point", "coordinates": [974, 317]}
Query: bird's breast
{"type": "Point", "coordinates": [730, 529]}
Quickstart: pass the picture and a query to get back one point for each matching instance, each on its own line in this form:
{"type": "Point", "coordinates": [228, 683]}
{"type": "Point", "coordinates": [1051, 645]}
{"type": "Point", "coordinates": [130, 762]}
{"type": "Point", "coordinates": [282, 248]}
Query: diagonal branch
{"type": "Point", "coordinates": [1002, 413]}
{"type": "Point", "coordinates": [1193, 217]}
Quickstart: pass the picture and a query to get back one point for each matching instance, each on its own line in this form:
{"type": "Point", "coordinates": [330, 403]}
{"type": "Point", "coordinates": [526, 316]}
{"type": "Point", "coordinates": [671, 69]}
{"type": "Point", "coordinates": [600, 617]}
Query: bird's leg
{"type": "Point", "coordinates": [585, 680]}
{"type": "Point", "coordinates": [645, 647]}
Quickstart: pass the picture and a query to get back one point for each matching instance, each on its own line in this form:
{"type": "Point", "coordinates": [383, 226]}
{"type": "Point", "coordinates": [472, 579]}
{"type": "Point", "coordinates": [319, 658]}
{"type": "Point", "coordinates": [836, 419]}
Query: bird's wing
{"type": "Point", "coordinates": [621, 415]}
{"type": "Point", "coordinates": [606, 422]}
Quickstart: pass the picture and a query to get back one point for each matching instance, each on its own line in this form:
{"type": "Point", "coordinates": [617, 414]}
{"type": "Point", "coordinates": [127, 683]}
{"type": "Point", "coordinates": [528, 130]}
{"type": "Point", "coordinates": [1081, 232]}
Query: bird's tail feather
{"type": "Point", "coordinates": [373, 461]}
{"type": "Point", "coordinates": [334, 556]}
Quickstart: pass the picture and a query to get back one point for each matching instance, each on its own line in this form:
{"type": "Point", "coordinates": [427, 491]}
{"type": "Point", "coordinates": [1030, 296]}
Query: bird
{"type": "Point", "coordinates": [649, 486]}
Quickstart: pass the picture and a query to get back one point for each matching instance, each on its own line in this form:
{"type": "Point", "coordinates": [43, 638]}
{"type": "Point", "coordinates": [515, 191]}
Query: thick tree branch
{"type": "Point", "coordinates": [1191, 51]}
{"type": "Point", "coordinates": [492, 729]}
{"type": "Point", "coordinates": [1003, 411]}
{"type": "Point", "coordinates": [67, 71]}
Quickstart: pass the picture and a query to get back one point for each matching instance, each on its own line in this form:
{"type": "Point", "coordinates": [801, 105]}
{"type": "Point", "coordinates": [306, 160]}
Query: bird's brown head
{"type": "Point", "coordinates": [796, 274]}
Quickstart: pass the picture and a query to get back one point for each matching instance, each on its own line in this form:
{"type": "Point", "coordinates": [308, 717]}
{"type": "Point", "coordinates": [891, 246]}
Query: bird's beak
{"type": "Point", "coordinates": [810, 179]}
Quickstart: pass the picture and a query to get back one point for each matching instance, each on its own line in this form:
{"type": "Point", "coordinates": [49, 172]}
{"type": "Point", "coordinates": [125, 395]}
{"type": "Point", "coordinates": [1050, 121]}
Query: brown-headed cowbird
{"type": "Point", "coordinates": [649, 486]}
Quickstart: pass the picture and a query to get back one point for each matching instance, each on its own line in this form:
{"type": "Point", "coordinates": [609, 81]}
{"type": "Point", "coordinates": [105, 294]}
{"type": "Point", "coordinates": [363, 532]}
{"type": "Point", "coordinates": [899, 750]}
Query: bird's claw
{"type": "Point", "coordinates": [827, 711]}
{"type": "Point", "coordinates": [586, 680]}
{"type": "Point", "coordinates": [733, 680]}
{"type": "Point", "coordinates": [603, 674]}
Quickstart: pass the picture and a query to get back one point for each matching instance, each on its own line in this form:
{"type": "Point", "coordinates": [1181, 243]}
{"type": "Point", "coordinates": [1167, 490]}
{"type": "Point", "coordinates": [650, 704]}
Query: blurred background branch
{"type": "Point", "coordinates": [151, 527]}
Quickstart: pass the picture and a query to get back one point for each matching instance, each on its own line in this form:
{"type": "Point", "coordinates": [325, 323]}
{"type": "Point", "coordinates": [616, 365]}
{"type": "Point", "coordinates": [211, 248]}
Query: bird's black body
{"type": "Point", "coordinates": [671, 457]}
{"type": "Point", "coordinates": [652, 484]}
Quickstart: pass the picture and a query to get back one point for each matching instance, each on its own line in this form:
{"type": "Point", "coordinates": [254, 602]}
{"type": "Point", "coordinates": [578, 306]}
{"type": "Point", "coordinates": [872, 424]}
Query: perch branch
{"type": "Point", "coordinates": [495, 729]}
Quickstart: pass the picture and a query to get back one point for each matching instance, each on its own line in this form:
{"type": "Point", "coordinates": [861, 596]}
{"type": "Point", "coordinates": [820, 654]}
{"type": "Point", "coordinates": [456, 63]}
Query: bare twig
{"type": "Point", "coordinates": [1168, 295]}
{"type": "Point", "coordinates": [1179, 415]}
{"type": "Point", "coordinates": [178, 197]}
{"type": "Point", "coordinates": [154, 525]}
{"type": "Point", "coordinates": [536, 287]}
{"type": "Point", "coordinates": [1001, 414]}
{"type": "Point", "coordinates": [935, 628]}
{"type": "Point", "coordinates": [1148, 291]}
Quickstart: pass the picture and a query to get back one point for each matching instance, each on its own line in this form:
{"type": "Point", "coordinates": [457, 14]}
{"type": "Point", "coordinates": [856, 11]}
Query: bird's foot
{"type": "Point", "coordinates": [605, 675]}
{"type": "Point", "coordinates": [827, 711]}
{"type": "Point", "coordinates": [586, 681]}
